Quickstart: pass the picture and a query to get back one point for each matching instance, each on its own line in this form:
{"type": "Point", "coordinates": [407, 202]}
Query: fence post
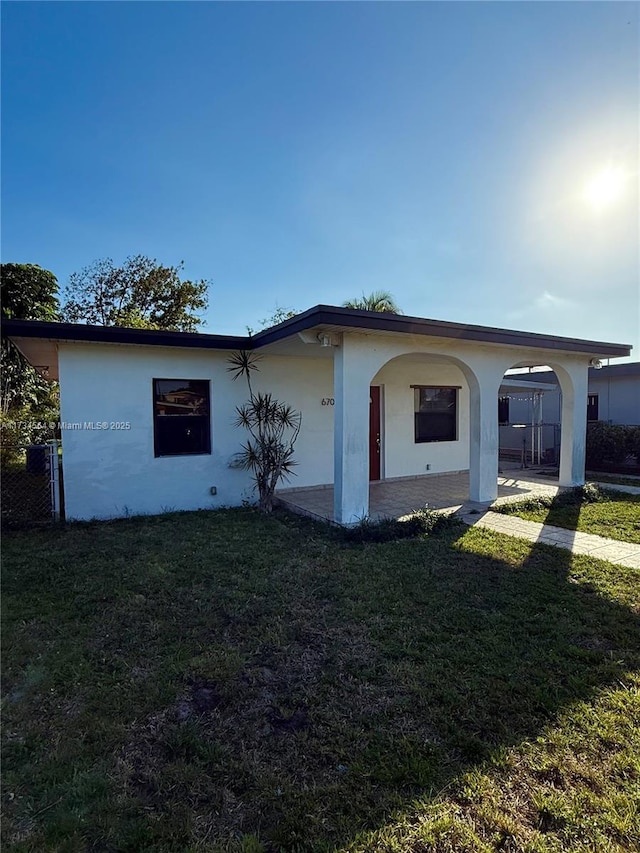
{"type": "Point", "coordinates": [54, 477]}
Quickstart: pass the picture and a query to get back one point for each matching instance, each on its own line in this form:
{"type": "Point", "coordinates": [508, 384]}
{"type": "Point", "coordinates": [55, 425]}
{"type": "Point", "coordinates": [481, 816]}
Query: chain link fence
{"type": "Point", "coordinates": [30, 484]}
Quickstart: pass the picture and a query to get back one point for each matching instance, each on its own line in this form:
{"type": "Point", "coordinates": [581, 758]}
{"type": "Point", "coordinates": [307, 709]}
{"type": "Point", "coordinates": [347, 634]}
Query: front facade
{"type": "Point", "coordinates": [148, 417]}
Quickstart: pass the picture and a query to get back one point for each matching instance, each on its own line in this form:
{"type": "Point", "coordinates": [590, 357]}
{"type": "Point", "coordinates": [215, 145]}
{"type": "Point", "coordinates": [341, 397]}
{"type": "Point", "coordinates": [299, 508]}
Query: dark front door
{"type": "Point", "coordinates": [374, 432]}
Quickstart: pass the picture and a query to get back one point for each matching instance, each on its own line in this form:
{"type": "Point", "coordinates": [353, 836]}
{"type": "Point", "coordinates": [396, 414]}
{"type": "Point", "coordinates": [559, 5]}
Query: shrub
{"type": "Point", "coordinates": [606, 443]}
{"type": "Point", "coordinates": [420, 523]}
{"type": "Point", "coordinates": [587, 494]}
{"type": "Point", "coordinates": [633, 442]}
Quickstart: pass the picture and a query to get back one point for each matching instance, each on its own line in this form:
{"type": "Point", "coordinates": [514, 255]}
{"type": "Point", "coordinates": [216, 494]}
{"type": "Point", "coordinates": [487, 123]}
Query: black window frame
{"type": "Point", "coordinates": [592, 407]}
{"type": "Point", "coordinates": [421, 416]}
{"type": "Point", "coordinates": [162, 436]}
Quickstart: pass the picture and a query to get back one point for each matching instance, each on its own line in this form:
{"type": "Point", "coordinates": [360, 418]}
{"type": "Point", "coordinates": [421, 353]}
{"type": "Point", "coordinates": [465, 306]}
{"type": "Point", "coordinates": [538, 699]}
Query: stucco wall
{"type": "Point", "coordinates": [114, 472]}
{"type": "Point", "coordinates": [618, 398]}
{"type": "Point", "coordinates": [110, 473]}
{"type": "Point", "coordinates": [401, 456]}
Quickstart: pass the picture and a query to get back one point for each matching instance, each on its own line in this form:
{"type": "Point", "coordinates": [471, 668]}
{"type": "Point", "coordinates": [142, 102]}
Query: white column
{"type": "Point", "coordinates": [351, 433]}
{"type": "Point", "coordinates": [574, 382]}
{"type": "Point", "coordinates": [483, 426]}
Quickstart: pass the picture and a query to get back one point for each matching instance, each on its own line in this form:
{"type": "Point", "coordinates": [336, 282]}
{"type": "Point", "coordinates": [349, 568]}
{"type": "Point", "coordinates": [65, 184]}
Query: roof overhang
{"type": "Point", "coordinates": [530, 387]}
{"type": "Point", "coordinates": [39, 341]}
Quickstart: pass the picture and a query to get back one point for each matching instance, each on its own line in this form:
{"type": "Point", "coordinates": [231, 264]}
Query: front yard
{"type": "Point", "coordinates": [608, 513]}
{"type": "Point", "coordinates": [229, 682]}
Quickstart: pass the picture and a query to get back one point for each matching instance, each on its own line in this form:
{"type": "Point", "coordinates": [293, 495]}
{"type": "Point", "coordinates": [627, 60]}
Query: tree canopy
{"type": "Point", "coordinates": [28, 292]}
{"type": "Point", "coordinates": [279, 316]}
{"type": "Point", "coordinates": [140, 293]}
{"type": "Point", "coordinates": [380, 300]}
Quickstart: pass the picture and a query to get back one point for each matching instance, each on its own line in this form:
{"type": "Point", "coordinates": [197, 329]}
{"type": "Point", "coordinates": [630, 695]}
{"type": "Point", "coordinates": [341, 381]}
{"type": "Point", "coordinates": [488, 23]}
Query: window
{"type": "Point", "coordinates": [503, 410]}
{"type": "Point", "coordinates": [181, 422]}
{"type": "Point", "coordinates": [436, 414]}
{"type": "Point", "coordinates": [592, 407]}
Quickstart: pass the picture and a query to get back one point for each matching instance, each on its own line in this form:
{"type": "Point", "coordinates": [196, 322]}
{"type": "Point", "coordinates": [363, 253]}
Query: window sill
{"type": "Point", "coordinates": [181, 455]}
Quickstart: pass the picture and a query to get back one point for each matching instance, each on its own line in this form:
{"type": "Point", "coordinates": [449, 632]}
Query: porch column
{"type": "Point", "coordinates": [483, 428]}
{"type": "Point", "coordinates": [351, 380]}
{"type": "Point", "coordinates": [574, 383]}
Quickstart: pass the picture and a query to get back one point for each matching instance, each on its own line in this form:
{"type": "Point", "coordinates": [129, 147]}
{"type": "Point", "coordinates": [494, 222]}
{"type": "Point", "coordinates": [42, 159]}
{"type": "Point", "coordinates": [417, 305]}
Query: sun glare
{"type": "Point", "coordinates": [605, 188]}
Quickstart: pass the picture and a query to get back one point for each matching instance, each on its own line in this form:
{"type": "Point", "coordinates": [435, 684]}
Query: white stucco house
{"type": "Point", "coordinates": [382, 396]}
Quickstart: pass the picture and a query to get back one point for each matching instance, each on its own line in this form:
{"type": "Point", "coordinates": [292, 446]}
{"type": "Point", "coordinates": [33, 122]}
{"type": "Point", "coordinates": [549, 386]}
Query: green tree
{"type": "Point", "coordinates": [27, 292]}
{"type": "Point", "coordinates": [141, 293]}
{"type": "Point", "coordinates": [380, 300]}
{"type": "Point", "coordinates": [278, 316]}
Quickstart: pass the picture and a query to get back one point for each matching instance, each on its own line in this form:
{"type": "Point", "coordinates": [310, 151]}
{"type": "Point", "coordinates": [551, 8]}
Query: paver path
{"type": "Point", "coordinates": [622, 553]}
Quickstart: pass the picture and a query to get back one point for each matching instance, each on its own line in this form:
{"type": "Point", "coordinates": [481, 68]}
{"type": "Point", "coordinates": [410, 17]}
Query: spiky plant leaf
{"type": "Point", "coordinates": [242, 363]}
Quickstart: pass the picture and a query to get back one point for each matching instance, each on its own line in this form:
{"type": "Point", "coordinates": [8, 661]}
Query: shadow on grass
{"type": "Point", "coordinates": [589, 509]}
{"type": "Point", "coordinates": [293, 691]}
{"type": "Point", "coordinates": [565, 508]}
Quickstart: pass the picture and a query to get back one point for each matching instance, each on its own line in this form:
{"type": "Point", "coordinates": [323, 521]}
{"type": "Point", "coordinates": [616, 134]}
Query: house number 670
{"type": "Point", "coordinates": [328, 401]}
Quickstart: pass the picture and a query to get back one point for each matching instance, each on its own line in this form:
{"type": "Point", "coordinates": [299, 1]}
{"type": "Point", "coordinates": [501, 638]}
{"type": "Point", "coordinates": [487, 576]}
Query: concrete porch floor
{"type": "Point", "coordinates": [401, 497]}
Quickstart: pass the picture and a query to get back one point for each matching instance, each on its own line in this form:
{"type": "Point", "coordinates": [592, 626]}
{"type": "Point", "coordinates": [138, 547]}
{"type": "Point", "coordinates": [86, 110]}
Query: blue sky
{"type": "Point", "coordinates": [302, 153]}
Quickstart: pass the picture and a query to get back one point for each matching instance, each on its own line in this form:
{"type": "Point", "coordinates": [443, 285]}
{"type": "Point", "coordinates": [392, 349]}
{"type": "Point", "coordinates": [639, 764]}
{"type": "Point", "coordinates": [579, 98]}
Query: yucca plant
{"type": "Point", "coordinates": [273, 429]}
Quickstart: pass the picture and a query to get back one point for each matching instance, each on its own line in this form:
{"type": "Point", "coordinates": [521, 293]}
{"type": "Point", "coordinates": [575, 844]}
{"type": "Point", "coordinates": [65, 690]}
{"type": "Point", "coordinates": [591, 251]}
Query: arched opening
{"type": "Point", "coordinates": [542, 414]}
{"type": "Point", "coordinates": [425, 403]}
{"type": "Point", "coordinates": [529, 418]}
{"type": "Point", "coordinates": [428, 403]}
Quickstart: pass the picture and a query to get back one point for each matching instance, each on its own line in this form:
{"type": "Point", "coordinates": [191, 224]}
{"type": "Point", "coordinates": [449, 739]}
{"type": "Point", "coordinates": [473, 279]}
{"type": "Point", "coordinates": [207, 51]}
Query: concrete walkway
{"type": "Point", "coordinates": [612, 550]}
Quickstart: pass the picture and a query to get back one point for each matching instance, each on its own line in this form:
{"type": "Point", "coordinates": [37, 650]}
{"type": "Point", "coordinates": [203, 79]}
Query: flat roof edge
{"type": "Point", "coordinates": [80, 332]}
{"type": "Point", "coordinates": [319, 315]}
{"type": "Point", "coordinates": [379, 321]}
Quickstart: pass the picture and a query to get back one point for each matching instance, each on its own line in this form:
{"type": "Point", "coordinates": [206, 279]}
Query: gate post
{"type": "Point", "coordinates": [54, 477]}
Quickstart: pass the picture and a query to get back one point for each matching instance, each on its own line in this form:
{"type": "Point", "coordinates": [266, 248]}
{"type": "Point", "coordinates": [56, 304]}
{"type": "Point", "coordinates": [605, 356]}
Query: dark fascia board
{"type": "Point", "coordinates": [118, 335]}
{"type": "Point", "coordinates": [320, 315]}
{"type": "Point", "coordinates": [331, 315]}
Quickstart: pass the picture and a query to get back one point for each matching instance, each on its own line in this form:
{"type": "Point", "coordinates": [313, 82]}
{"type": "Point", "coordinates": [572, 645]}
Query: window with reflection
{"type": "Point", "coordinates": [181, 417]}
{"type": "Point", "coordinates": [436, 414]}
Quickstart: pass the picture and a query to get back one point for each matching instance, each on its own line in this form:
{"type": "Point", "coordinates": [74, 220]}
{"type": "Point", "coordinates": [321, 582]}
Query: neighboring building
{"type": "Point", "coordinates": [148, 416]}
{"type": "Point", "coordinates": [534, 399]}
{"type": "Point", "coordinates": [527, 433]}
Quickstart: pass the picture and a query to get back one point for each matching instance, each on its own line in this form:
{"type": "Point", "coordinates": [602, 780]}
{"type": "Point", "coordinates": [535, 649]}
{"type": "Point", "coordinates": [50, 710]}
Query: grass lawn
{"type": "Point", "coordinates": [229, 682]}
{"type": "Point", "coordinates": [615, 515]}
